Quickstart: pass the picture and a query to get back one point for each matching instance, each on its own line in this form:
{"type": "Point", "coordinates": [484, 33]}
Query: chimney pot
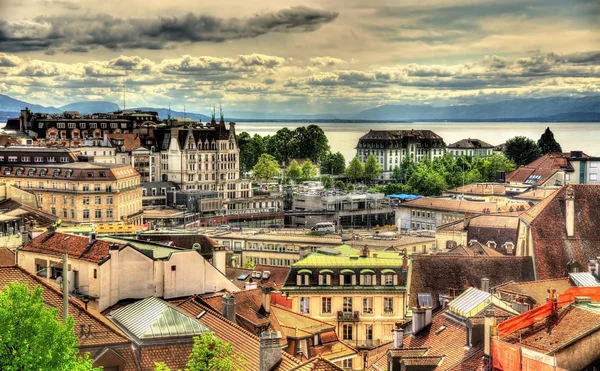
{"type": "Point", "coordinates": [270, 350]}
{"type": "Point", "coordinates": [266, 299]}
{"type": "Point", "coordinates": [485, 284]}
{"type": "Point", "coordinates": [398, 335]}
{"type": "Point", "coordinates": [228, 307]}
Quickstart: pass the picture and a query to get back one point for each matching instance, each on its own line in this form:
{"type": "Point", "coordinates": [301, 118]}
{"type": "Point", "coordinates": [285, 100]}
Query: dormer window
{"type": "Point", "coordinates": [510, 247]}
{"type": "Point", "coordinates": [491, 244]}
{"type": "Point", "coordinates": [68, 173]}
{"type": "Point", "coordinates": [43, 172]}
{"type": "Point", "coordinates": [367, 277]}
{"type": "Point", "coordinates": [389, 277]}
{"type": "Point", "coordinates": [56, 173]}
{"type": "Point", "coordinates": [19, 171]}
{"type": "Point", "coordinates": [325, 277]}
{"type": "Point", "coordinates": [303, 277]}
{"type": "Point", "coordinates": [7, 170]}
{"type": "Point", "coordinates": [31, 172]}
{"type": "Point", "coordinates": [347, 277]}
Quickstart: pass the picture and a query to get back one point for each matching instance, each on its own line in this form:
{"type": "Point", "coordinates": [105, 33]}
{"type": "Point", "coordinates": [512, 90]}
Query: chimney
{"type": "Point", "coordinates": [92, 237]}
{"type": "Point", "coordinates": [485, 284]}
{"type": "Point", "coordinates": [592, 266]}
{"type": "Point", "coordinates": [228, 305]}
{"type": "Point", "coordinates": [250, 285]}
{"type": "Point", "coordinates": [266, 299]}
{"type": "Point", "coordinates": [270, 350]}
{"type": "Point", "coordinates": [488, 331]}
{"type": "Point", "coordinates": [419, 320]}
{"type": "Point", "coordinates": [404, 261]}
{"type": "Point", "coordinates": [597, 274]}
{"type": "Point", "coordinates": [398, 336]}
{"type": "Point", "coordinates": [570, 212]}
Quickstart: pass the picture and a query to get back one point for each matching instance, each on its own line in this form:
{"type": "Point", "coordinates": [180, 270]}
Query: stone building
{"type": "Point", "coordinates": [81, 192]}
{"type": "Point", "coordinates": [391, 147]}
{"type": "Point", "coordinates": [470, 148]}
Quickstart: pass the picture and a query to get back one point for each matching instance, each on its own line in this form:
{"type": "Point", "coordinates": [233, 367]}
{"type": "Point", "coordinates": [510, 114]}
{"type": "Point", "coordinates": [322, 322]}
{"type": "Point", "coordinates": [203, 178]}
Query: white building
{"type": "Point", "coordinates": [392, 146]}
{"type": "Point", "coordinates": [105, 271]}
{"type": "Point", "coordinates": [470, 148]}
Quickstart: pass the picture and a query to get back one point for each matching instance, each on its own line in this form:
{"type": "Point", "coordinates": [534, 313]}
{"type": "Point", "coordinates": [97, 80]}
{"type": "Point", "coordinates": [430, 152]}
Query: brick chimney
{"type": "Point", "coordinates": [489, 325]}
{"type": "Point", "coordinates": [485, 284]}
{"type": "Point", "coordinates": [266, 299]}
{"type": "Point", "coordinates": [570, 212]}
{"type": "Point", "coordinates": [270, 350]}
{"type": "Point", "coordinates": [398, 336]}
{"type": "Point", "coordinates": [228, 304]}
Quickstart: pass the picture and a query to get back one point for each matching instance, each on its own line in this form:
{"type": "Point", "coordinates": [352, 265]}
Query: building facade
{"type": "Point", "coordinates": [470, 148]}
{"type": "Point", "coordinates": [362, 292]}
{"type": "Point", "coordinates": [391, 147]}
{"type": "Point", "coordinates": [81, 192]}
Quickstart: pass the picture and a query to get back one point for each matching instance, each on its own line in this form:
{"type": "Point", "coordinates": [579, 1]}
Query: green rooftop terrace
{"type": "Point", "coordinates": [158, 251]}
{"type": "Point", "coordinates": [350, 257]}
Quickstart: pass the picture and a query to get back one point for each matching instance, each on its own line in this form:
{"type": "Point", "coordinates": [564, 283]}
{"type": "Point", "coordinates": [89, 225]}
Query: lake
{"type": "Point", "coordinates": [343, 137]}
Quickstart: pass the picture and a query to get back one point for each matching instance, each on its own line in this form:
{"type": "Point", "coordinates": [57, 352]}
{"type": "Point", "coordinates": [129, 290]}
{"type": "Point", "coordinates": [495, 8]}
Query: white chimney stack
{"type": "Point", "coordinates": [570, 212]}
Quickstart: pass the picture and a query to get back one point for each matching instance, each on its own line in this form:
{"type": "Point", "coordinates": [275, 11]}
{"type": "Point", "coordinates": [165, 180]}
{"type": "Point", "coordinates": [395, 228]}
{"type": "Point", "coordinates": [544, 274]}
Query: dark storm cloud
{"type": "Point", "coordinates": [78, 33]}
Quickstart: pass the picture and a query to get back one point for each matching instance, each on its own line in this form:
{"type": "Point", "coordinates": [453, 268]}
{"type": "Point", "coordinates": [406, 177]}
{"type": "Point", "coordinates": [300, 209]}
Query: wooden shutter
{"type": "Point", "coordinates": [354, 280]}
{"type": "Point", "coordinates": [328, 279]}
{"type": "Point", "coordinates": [395, 280]}
{"type": "Point", "coordinates": [383, 279]}
{"type": "Point", "coordinates": [341, 280]}
{"type": "Point", "coordinates": [320, 280]}
{"type": "Point", "coordinates": [374, 280]}
{"type": "Point", "coordinates": [298, 280]}
{"type": "Point", "coordinates": [362, 280]}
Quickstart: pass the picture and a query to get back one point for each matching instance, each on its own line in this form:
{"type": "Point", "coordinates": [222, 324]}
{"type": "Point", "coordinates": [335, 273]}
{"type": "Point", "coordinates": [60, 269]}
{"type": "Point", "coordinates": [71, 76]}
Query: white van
{"type": "Point", "coordinates": [324, 228]}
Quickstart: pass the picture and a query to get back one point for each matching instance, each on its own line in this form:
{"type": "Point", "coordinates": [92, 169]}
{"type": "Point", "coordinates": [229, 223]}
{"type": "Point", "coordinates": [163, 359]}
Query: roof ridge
{"type": "Point", "coordinates": [302, 315]}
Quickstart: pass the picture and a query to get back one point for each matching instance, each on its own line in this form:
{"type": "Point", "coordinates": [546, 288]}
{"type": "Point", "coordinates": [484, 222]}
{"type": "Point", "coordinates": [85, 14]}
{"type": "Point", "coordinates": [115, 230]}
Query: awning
{"type": "Point", "coordinates": [304, 271]}
{"type": "Point", "coordinates": [347, 271]}
{"type": "Point", "coordinates": [325, 271]}
{"type": "Point", "coordinates": [388, 271]}
{"type": "Point", "coordinates": [365, 271]}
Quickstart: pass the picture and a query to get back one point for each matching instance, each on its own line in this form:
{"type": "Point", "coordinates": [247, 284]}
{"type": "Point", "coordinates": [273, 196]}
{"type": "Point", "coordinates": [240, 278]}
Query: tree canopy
{"type": "Point", "coordinates": [355, 169]}
{"type": "Point", "coordinates": [309, 170]}
{"type": "Point", "coordinates": [250, 150]}
{"type": "Point", "coordinates": [248, 264]}
{"type": "Point", "coordinates": [521, 150]}
{"type": "Point", "coordinates": [31, 335]}
{"type": "Point", "coordinates": [209, 353]}
{"type": "Point", "coordinates": [294, 171]}
{"type": "Point", "coordinates": [333, 163]}
{"type": "Point", "coordinates": [547, 143]}
{"type": "Point", "coordinates": [372, 168]}
{"type": "Point", "coordinates": [266, 167]}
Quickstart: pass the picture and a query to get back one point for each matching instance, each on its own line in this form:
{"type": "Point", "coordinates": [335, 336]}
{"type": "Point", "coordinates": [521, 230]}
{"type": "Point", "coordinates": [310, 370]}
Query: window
{"type": "Point", "coordinates": [325, 305]}
{"type": "Point", "coordinates": [593, 176]}
{"type": "Point", "coordinates": [347, 363]}
{"type": "Point", "coordinates": [108, 188]}
{"type": "Point", "coordinates": [347, 307]}
{"type": "Point", "coordinates": [96, 187]}
{"type": "Point", "coordinates": [368, 305]}
{"type": "Point", "coordinates": [109, 213]}
{"type": "Point", "coordinates": [98, 214]}
{"type": "Point", "coordinates": [95, 273]}
{"type": "Point", "coordinates": [86, 214]}
{"type": "Point", "coordinates": [65, 215]}
{"type": "Point", "coordinates": [12, 158]}
{"type": "Point", "coordinates": [367, 280]}
{"type": "Point", "coordinates": [86, 200]}
{"type": "Point", "coordinates": [593, 164]}
{"type": "Point", "coordinates": [53, 199]}
{"type": "Point", "coordinates": [86, 187]}
{"type": "Point", "coordinates": [25, 159]}
{"type": "Point", "coordinates": [389, 279]}
{"type": "Point", "coordinates": [388, 305]}
{"type": "Point", "coordinates": [304, 305]}
{"type": "Point", "coordinates": [72, 213]}
{"type": "Point", "coordinates": [53, 210]}
{"type": "Point", "coordinates": [347, 332]}
{"type": "Point", "coordinates": [41, 270]}
{"type": "Point", "coordinates": [98, 200]}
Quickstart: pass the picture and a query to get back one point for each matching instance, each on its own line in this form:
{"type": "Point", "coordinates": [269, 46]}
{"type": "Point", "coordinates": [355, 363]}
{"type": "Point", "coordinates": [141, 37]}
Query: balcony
{"type": "Point", "coordinates": [348, 316]}
{"type": "Point", "coordinates": [364, 344]}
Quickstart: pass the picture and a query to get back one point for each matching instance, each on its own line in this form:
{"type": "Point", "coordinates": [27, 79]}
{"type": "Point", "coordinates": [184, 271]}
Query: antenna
{"type": "Point", "coordinates": [169, 111]}
{"type": "Point", "coordinates": [221, 111]}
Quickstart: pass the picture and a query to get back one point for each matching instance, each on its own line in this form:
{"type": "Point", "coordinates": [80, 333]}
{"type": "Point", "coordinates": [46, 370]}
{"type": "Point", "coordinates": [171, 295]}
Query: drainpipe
{"type": "Point", "coordinates": [65, 283]}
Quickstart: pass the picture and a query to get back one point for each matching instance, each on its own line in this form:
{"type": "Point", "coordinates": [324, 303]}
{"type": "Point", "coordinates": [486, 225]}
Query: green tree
{"type": "Point", "coordinates": [334, 164]}
{"type": "Point", "coordinates": [309, 170]}
{"type": "Point", "coordinates": [32, 337]}
{"type": "Point", "coordinates": [327, 183]}
{"type": "Point", "coordinates": [250, 150]}
{"type": "Point", "coordinates": [427, 182]}
{"type": "Point", "coordinates": [311, 142]}
{"type": "Point", "coordinates": [210, 353]}
{"type": "Point", "coordinates": [355, 169]}
{"type": "Point", "coordinates": [294, 171]}
{"type": "Point", "coordinates": [248, 264]}
{"type": "Point", "coordinates": [339, 185]}
{"type": "Point", "coordinates": [521, 150]}
{"type": "Point", "coordinates": [266, 167]}
{"type": "Point", "coordinates": [396, 173]}
{"type": "Point", "coordinates": [372, 168]}
{"type": "Point", "coordinates": [547, 143]}
{"type": "Point", "coordinates": [491, 165]}
{"type": "Point", "coordinates": [282, 146]}
{"type": "Point", "coordinates": [407, 168]}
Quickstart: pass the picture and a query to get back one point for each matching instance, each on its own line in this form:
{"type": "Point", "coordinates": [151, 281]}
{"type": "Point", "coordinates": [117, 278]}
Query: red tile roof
{"type": "Point", "coordinates": [77, 247]}
{"type": "Point", "coordinates": [446, 204]}
{"type": "Point", "coordinates": [553, 250]}
{"type": "Point", "coordinates": [537, 291]}
{"type": "Point", "coordinates": [242, 340]}
{"type": "Point", "coordinates": [175, 356]}
{"type": "Point", "coordinates": [276, 280]}
{"type": "Point", "coordinates": [131, 141]}
{"type": "Point", "coordinates": [448, 343]}
{"type": "Point", "coordinates": [571, 323]}
{"type": "Point", "coordinates": [248, 312]}
{"type": "Point", "coordinates": [440, 273]}
{"type": "Point", "coordinates": [481, 189]}
{"type": "Point", "coordinates": [7, 257]}
{"type": "Point", "coordinates": [103, 332]}
{"type": "Point", "coordinates": [545, 167]}
{"type": "Point", "coordinates": [317, 363]}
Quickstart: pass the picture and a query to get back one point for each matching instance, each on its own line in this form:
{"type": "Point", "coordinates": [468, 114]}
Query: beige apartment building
{"type": "Point", "coordinates": [363, 292]}
{"type": "Point", "coordinates": [81, 192]}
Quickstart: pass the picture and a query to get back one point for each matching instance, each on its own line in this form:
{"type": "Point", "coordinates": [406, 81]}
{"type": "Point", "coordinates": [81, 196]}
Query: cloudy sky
{"type": "Point", "coordinates": [297, 56]}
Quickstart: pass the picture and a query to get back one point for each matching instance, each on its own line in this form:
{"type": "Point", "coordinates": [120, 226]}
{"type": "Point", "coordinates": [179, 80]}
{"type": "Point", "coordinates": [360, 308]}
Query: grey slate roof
{"type": "Point", "coordinates": [584, 279]}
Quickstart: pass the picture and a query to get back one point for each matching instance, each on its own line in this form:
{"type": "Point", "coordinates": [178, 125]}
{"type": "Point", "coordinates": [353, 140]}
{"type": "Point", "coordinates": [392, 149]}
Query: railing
{"type": "Point", "coordinates": [364, 343]}
{"type": "Point", "coordinates": [348, 316]}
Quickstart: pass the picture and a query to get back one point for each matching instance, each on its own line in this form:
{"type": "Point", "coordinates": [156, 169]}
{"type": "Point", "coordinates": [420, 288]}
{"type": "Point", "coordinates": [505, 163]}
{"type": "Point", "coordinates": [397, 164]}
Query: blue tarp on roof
{"type": "Point", "coordinates": [403, 196]}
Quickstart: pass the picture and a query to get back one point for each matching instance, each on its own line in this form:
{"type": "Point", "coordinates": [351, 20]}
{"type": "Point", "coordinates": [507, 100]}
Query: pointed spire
{"type": "Point", "coordinates": [221, 109]}
{"type": "Point", "coordinates": [213, 121]}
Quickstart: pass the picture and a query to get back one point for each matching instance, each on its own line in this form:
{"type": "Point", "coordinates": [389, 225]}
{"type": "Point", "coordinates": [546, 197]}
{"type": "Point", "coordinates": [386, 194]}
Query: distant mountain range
{"type": "Point", "coordinates": [525, 109]}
